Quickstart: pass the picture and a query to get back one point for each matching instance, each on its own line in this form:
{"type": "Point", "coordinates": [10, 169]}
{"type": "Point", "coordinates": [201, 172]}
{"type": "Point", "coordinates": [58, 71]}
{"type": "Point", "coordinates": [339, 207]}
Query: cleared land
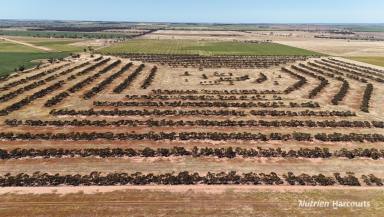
{"type": "Point", "coordinates": [184, 201]}
{"type": "Point", "coordinates": [338, 47]}
{"type": "Point", "coordinates": [204, 48]}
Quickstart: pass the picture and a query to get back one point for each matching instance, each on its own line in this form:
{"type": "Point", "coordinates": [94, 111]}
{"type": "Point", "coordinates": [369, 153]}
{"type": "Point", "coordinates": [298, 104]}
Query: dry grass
{"type": "Point", "coordinates": [189, 202]}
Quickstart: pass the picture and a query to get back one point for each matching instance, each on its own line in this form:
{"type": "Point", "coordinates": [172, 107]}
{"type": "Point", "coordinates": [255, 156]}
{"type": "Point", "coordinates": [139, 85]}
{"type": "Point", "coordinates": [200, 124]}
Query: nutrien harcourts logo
{"type": "Point", "coordinates": [335, 204]}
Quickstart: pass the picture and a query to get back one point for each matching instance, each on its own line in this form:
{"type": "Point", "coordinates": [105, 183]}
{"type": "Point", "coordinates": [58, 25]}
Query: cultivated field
{"type": "Point", "coordinates": [28, 52]}
{"type": "Point", "coordinates": [170, 127]}
{"type": "Point", "coordinates": [299, 39]}
{"type": "Point", "coordinates": [206, 48]}
{"type": "Point", "coordinates": [379, 61]}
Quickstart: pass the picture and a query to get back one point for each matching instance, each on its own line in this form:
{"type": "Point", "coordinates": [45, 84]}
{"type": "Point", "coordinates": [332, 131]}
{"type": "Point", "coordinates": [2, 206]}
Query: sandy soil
{"type": "Point", "coordinates": [192, 202]}
{"type": "Point", "coordinates": [338, 47]}
{"type": "Point", "coordinates": [99, 43]}
{"type": "Point", "coordinates": [62, 190]}
{"type": "Point", "coordinates": [173, 78]}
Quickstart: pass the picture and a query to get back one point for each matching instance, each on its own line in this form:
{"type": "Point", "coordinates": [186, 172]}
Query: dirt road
{"type": "Point", "coordinates": [26, 44]}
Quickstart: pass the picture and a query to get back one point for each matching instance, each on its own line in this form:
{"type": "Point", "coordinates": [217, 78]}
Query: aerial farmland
{"type": "Point", "coordinates": [190, 119]}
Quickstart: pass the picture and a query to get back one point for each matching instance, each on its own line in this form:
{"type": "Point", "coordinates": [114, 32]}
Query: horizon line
{"type": "Point", "coordinates": [191, 22]}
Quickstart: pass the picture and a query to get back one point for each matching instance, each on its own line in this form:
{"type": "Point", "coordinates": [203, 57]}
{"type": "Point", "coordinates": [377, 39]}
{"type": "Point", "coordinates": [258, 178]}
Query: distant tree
{"type": "Point", "coordinates": [21, 68]}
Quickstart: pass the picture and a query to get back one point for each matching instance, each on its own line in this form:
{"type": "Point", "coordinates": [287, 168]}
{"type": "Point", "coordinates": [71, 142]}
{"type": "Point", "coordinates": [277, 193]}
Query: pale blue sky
{"type": "Point", "coordinates": [229, 11]}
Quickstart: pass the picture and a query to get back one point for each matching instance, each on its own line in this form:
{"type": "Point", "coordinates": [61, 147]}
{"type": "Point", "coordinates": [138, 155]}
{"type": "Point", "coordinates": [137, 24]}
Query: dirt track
{"type": "Point", "coordinates": [26, 44]}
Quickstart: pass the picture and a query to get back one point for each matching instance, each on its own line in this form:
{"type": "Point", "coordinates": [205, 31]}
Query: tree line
{"type": "Point", "coordinates": [221, 104]}
{"type": "Point", "coordinates": [323, 81]}
{"type": "Point", "coordinates": [202, 97]}
{"type": "Point", "coordinates": [148, 81]}
{"type": "Point", "coordinates": [341, 94]}
{"type": "Point", "coordinates": [27, 100]}
{"type": "Point", "coordinates": [20, 91]}
{"type": "Point", "coordinates": [336, 74]}
{"type": "Point", "coordinates": [340, 71]}
{"type": "Point", "coordinates": [81, 84]}
{"type": "Point", "coordinates": [102, 85]}
{"type": "Point", "coordinates": [145, 112]}
{"type": "Point", "coordinates": [296, 86]}
{"type": "Point", "coordinates": [194, 136]}
{"type": "Point", "coordinates": [226, 152]}
{"type": "Point", "coordinates": [125, 84]}
{"type": "Point", "coordinates": [182, 178]}
{"type": "Point", "coordinates": [213, 92]}
{"type": "Point", "coordinates": [31, 78]}
{"type": "Point", "coordinates": [377, 72]}
{"type": "Point", "coordinates": [347, 69]}
{"type": "Point", "coordinates": [205, 112]}
{"type": "Point", "coordinates": [366, 98]}
{"type": "Point", "coordinates": [198, 61]}
{"type": "Point", "coordinates": [200, 122]}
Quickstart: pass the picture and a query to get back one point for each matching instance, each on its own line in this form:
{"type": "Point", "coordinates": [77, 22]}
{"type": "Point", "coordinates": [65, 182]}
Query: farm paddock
{"type": "Point", "coordinates": [191, 121]}
{"type": "Point", "coordinates": [182, 201]}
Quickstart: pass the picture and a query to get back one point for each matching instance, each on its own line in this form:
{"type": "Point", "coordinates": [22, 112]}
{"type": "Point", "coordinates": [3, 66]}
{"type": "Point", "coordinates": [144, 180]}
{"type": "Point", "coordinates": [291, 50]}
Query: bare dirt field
{"type": "Point", "coordinates": [339, 47]}
{"type": "Point", "coordinates": [186, 201]}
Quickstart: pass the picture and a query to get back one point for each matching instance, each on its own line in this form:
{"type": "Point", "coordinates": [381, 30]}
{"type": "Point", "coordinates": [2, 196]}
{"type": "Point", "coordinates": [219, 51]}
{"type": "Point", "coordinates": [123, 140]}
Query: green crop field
{"type": "Point", "coordinates": [203, 48]}
{"type": "Point", "coordinates": [11, 47]}
{"type": "Point", "coordinates": [15, 55]}
{"type": "Point", "coordinates": [11, 60]}
{"type": "Point", "coordinates": [58, 45]}
{"type": "Point", "coordinates": [379, 61]}
{"type": "Point", "coordinates": [54, 44]}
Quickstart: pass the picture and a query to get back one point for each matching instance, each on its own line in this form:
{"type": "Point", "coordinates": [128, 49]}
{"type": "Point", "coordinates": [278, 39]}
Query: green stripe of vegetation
{"type": "Point", "coordinates": [11, 60]}
{"type": "Point", "coordinates": [204, 48]}
{"type": "Point", "coordinates": [376, 60]}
